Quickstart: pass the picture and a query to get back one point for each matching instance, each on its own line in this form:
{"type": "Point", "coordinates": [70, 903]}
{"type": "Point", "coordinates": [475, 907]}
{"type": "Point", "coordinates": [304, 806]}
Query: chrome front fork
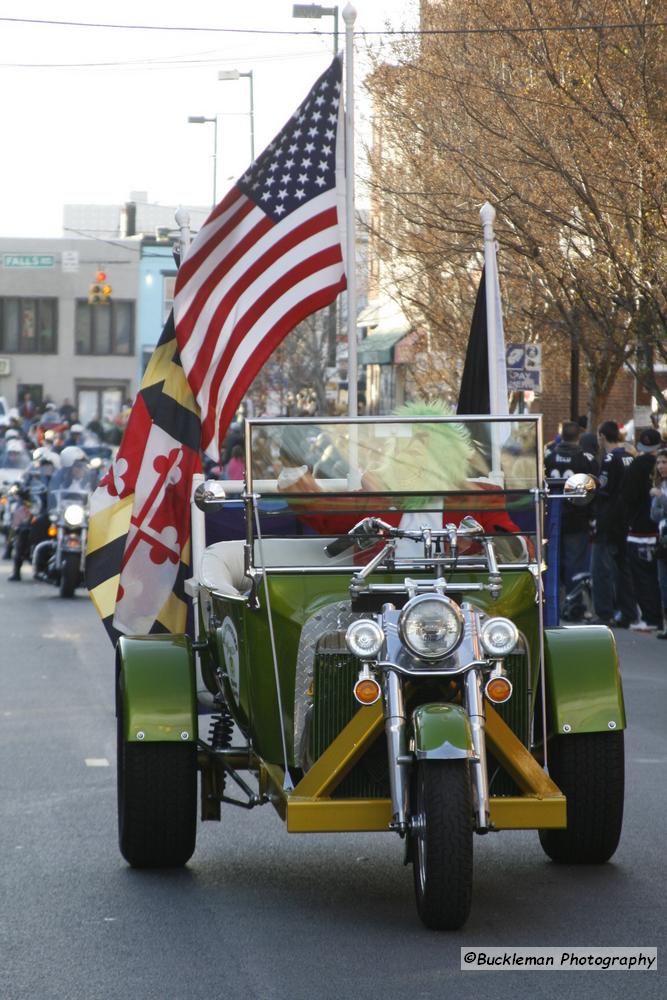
{"type": "Point", "coordinates": [474, 704]}
{"type": "Point", "coordinates": [399, 760]}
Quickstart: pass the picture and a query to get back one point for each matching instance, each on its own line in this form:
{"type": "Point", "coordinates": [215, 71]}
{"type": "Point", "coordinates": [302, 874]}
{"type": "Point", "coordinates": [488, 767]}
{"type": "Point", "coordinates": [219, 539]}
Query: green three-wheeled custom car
{"type": "Point", "coordinates": [371, 654]}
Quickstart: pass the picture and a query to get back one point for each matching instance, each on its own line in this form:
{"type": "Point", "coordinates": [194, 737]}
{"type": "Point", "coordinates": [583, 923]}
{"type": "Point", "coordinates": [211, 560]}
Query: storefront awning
{"type": "Point", "coordinates": [378, 347]}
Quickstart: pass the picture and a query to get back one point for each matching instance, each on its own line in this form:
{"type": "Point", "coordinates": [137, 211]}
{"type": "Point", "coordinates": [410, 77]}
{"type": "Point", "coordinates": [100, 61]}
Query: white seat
{"type": "Point", "coordinates": [223, 570]}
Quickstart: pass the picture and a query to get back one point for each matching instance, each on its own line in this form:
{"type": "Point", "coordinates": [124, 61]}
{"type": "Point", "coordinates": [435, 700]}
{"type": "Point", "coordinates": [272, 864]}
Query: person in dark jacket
{"type": "Point", "coordinates": [659, 517]}
{"type": "Point", "coordinates": [642, 536]}
{"type": "Point", "coordinates": [613, 594]}
{"type": "Point", "coordinates": [562, 461]}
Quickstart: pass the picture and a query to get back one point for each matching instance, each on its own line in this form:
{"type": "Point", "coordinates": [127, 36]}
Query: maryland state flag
{"type": "Point", "coordinates": [267, 256]}
{"type": "Point", "coordinates": [139, 532]}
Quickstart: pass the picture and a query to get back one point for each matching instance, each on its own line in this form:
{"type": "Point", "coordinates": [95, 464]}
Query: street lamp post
{"type": "Point", "coordinates": [200, 120]}
{"type": "Point", "coordinates": [316, 11]}
{"type": "Point", "coordinates": [234, 74]}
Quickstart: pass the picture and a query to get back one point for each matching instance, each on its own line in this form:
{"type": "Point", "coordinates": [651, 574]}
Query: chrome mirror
{"type": "Point", "coordinates": [210, 496]}
{"type": "Point", "coordinates": [580, 488]}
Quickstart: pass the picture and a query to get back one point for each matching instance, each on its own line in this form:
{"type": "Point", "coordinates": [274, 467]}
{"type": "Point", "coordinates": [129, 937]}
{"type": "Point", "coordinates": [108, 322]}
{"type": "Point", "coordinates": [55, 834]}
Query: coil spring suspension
{"type": "Point", "coordinates": [221, 728]}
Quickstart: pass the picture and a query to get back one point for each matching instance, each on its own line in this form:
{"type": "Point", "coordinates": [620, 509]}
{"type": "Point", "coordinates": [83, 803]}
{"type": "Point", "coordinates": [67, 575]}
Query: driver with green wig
{"type": "Point", "coordinates": [437, 457]}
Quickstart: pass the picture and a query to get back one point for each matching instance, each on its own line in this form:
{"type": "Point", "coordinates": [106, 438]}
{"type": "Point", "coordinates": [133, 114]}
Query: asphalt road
{"type": "Point", "coordinates": [259, 913]}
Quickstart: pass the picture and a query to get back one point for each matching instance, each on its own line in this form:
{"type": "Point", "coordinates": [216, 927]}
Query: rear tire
{"type": "Point", "coordinates": [589, 769]}
{"type": "Point", "coordinates": [442, 842]}
{"type": "Point", "coordinates": [157, 801]}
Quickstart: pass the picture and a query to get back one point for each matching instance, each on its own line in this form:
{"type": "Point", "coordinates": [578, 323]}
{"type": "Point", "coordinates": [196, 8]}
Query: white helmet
{"type": "Point", "coordinates": [14, 446]}
{"type": "Point", "coordinates": [76, 429]}
{"type": "Point", "coordinates": [70, 455]}
{"type": "Point", "coordinates": [45, 454]}
{"type": "Point", "coordinates": [11, 433]}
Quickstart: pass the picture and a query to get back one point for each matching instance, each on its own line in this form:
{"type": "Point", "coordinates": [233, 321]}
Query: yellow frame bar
{"type": "Point", "coordinates": [340, 756]}
{"type": "Point", "coordinates": [310, 809]}
{"type": "Point", "coordinates": [519, 763]}
{"type": "Point", "coordinates": [358, 815]}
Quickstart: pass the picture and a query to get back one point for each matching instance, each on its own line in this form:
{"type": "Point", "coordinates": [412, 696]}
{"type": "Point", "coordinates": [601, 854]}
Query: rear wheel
{"type": "Point", "coordinates": [442, 833]}
{"type": "Point", "coordinates": [69, 574]}
{"type": "Point", "coordinates": [589, 769]}
{"type": "Point", "coordinates": [157, 801]}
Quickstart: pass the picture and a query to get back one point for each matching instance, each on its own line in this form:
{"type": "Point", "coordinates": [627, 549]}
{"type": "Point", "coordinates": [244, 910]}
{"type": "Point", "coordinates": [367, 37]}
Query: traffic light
{"type": "Point", "coordinates": [99, 293]}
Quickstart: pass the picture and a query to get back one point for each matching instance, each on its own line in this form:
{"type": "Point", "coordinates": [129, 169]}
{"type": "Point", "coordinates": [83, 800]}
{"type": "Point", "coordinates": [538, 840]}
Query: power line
{"type": "Point", "coordinates": [165, 61]}
{"type": "Point", "coordinates": [503, 29]}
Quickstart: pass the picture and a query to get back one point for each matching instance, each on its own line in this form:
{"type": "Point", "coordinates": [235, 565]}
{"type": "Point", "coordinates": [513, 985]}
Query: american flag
{"type": "Point", "coordinates": [268, 256]}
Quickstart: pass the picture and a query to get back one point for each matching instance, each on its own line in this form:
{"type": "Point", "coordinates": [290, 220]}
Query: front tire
{"type": "Point", "coordinates": [589, 769]}
{"type": "Point", "coordinates": [442, 842]}
{"type": "Point", "coordinates": [69, 574]}
{"type": "Point", "coordinates": [157, 801]}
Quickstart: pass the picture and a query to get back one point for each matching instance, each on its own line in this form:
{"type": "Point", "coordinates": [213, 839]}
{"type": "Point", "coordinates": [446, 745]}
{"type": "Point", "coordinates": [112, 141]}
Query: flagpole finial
{"type": "Point", "coordinates": [349, 13]}
{"type": "Point", "coordinates": [487, 214]}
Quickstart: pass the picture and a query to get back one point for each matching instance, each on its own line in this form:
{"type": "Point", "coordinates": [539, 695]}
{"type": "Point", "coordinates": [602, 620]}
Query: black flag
{"type": "Point", "coordinates": [474, 391]}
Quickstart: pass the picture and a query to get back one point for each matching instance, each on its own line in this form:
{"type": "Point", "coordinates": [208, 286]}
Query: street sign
{"type": "Point", "coordinates": [69, 261]}
{"type": "Point", "coordinates": [5, 366]}
{"type": "Point", "coordinates": [28, 260]}
{"type": "Point", "coordinates": [524, 367]}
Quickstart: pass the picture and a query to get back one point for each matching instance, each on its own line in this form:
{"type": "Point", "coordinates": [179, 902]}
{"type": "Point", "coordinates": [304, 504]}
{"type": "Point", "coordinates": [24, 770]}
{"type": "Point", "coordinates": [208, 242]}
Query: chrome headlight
{"type": "Point", "coordinates": [499, 637]}
{"type": "Point", "coordinates": [73, 515]}
{"type": "Point", "coordinates": [364, 638]}
{"type": "Point", "coordinates": [431, 626]}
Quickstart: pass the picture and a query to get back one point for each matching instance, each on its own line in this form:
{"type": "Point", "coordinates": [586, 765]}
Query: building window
{"type": "Point", "coordinates": [28, 326]}
{"type": "Point", "coordinates": [168, 289]}
{"type": "Point", "coordinates": [100, 403]}
{"type": "Point", "coordinates": [105, 329]}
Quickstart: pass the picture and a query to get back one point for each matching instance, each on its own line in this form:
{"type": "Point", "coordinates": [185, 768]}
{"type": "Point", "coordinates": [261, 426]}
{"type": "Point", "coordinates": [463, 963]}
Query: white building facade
{"type": "Point", "coordinates": [53, 343]}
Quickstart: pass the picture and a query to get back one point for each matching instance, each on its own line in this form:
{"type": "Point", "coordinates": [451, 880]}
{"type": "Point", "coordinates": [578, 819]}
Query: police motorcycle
{"type": "Point", "coordinates": [376, 633]}
{"type": "Point", "coordinates": [59, 559]}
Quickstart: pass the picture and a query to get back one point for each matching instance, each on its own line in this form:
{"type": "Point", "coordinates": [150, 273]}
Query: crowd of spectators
{"type": "Point", "coordinates": [622, 539]}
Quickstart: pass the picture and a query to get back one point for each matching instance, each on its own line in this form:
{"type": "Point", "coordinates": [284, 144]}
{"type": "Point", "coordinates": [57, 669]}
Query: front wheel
{"type": "Point", "coordinates": [589, 769]}
{"type": "Point", "coordinates": [70, 572]}
{"type": "Point", "coordinates": [157, 801]}
{"type": "Point", "coordinates": [442, 832]}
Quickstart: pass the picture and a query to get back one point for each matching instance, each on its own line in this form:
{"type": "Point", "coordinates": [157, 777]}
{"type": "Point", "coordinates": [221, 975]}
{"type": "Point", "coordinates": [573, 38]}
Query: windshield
{"type": "Point", "coordinates": [320, 477]}
{"type": "Point", "coordinates": [415, 456]}
{"type": "Point", "coordinates": [10, 459]}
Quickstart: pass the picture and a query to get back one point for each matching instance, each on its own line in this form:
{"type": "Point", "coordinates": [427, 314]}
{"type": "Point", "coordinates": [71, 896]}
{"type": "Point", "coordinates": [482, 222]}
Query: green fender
{"type": "Point", "coordinates": [583, 680]}
{"type": "Point", "coordinates": [441, 732]}
{"type": "Point", "coordinates": [157, 675]}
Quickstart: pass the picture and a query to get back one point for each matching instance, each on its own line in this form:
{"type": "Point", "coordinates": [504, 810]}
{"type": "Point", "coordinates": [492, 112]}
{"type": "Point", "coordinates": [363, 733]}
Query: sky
{"type": "Point", "coordinates": [90, 114]}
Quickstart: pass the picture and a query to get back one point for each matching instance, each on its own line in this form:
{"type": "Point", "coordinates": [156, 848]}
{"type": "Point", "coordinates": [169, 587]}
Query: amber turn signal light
{"type": "Point", "coordinates": [498, 690]}
{"type": "Point", "coordinates": [53, 531]}
{"type": "Point", "coordinates": [367, 691]}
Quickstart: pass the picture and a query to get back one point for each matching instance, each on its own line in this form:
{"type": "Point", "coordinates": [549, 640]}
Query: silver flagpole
{"type": "Point", "coordinates": [349, 16]}
{"type": "Point", "coordinates": [495, 342]}
{"type": "Point", "coordinates": [494, 319]}
{"type": "Point", "coordinates": [182, 217]}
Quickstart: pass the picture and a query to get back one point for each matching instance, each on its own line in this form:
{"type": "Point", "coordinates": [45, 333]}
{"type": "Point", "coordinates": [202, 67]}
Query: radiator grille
{"type": "Point", "coordinates": [516, 713]}
{"type": "Point", "coordinates": [334, 704]}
